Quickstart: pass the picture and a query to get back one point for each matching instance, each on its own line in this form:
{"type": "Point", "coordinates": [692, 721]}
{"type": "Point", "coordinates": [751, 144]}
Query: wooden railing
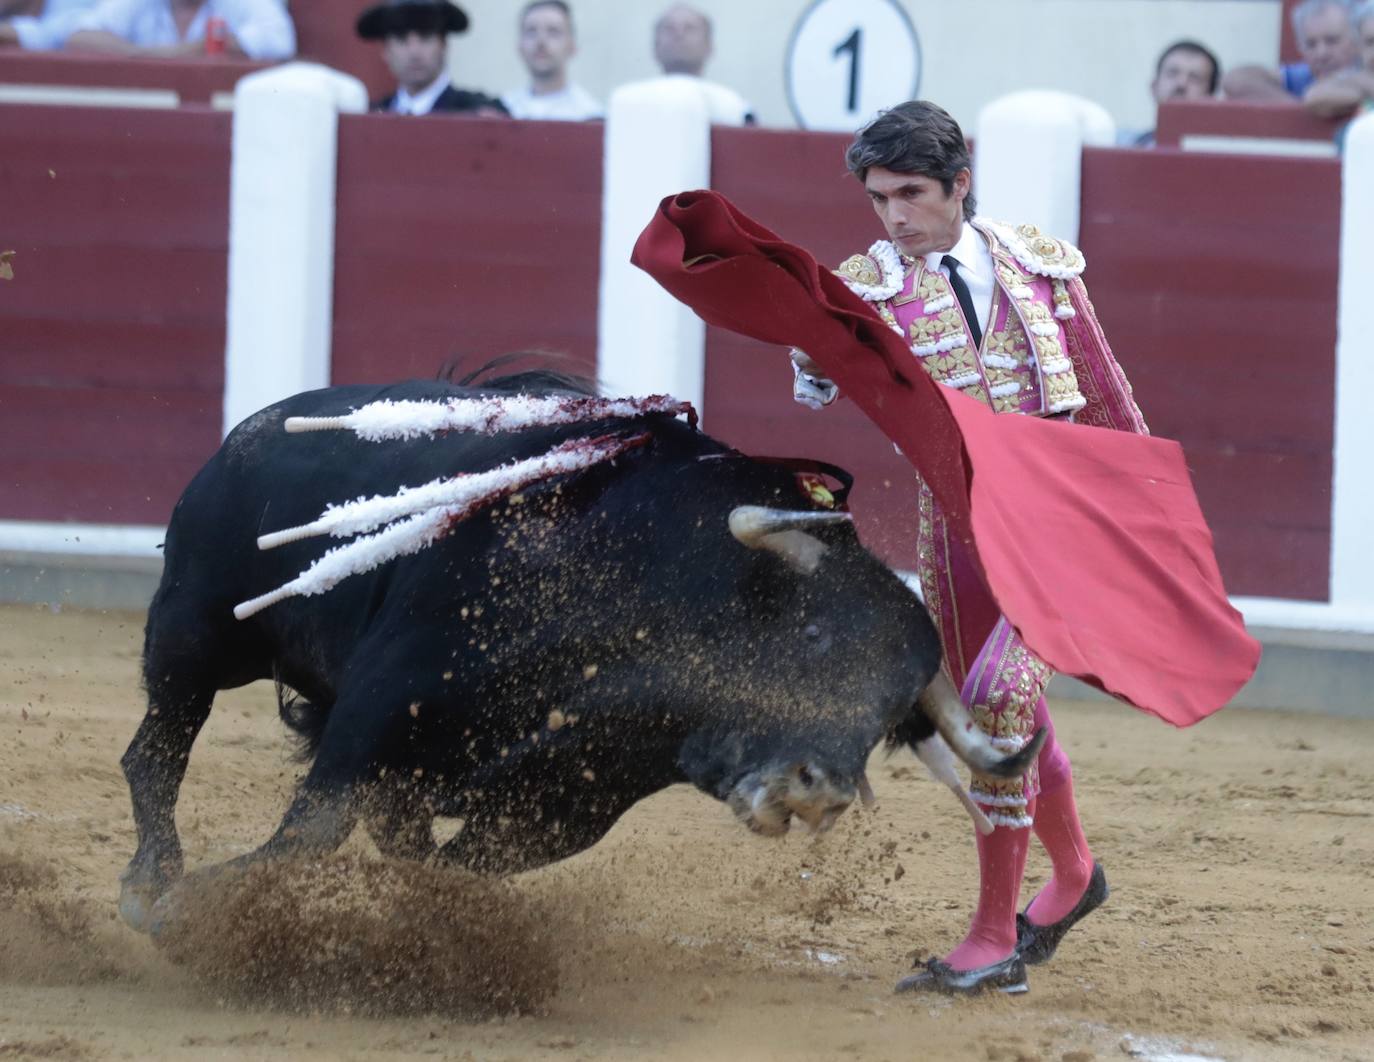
{"type": "Point", "coordinates": [1239, 119]}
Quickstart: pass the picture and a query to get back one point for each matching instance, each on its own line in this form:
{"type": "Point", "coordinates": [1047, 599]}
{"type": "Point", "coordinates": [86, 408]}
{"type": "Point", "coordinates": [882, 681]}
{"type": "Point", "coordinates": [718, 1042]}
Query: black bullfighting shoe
{"type": "Point", "coordinates": [936, 975]}
{"type": "Point", "coordinates": [1036, 944]}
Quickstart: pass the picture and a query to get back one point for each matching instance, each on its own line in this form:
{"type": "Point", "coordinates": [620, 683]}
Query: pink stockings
{"type": "Point", "coordinates": [1058, 829]}
{"type": "Point", "coordinates": [1002, 862]}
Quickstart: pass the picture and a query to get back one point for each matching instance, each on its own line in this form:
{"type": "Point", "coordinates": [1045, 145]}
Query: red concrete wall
{"type": "Point", "coordinates": [1216, 281]}
{"type": "Point", "coordinates": [112, 330]}
{"type": "Point", "coordinates": [463, 237]}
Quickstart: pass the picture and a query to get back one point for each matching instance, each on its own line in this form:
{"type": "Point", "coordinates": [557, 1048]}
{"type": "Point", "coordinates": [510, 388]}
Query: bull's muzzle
{"type": "Point", "coordinates": [766, 801]}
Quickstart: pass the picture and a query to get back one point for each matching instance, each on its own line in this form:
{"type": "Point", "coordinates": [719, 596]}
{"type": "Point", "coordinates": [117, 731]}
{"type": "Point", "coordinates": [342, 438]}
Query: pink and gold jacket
{"type": "Point", "coordinates": [1035, 358]}
{"type": "Point", "coordinates": [1043, 354]}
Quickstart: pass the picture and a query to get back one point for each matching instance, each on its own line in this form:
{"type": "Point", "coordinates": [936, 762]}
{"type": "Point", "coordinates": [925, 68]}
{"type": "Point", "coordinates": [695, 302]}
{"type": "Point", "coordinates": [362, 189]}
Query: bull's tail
{"type": "Point", "coordinates": [305, 720]}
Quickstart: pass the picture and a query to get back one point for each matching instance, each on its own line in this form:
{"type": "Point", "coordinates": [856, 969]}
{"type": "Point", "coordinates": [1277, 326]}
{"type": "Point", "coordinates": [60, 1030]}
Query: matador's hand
{"type": "Point", "coordinates": [809, 387]}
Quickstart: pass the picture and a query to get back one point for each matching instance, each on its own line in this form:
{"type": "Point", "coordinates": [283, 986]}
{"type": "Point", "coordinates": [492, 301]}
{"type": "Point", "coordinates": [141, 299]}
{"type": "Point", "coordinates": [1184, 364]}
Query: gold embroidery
{"type": "Point", "coordinates": [1010, 343]}
{"type": "Point", "coordinates": [952, 364]}
{"type": "Point", "coordinates": [1049, 252]}
{"type": "Point", "coordinates": [861, 269]}
{"type": "Point", "coordinates": [1017, 685]}
{"type": "Point", "coordinates": [1039, 313]}
{"type": "Point", "coordinates": [926, 330]}
{"type": "Point", "coordinates": [933, 286]}
{"type": "Point", "coordinates": [1009, 273]}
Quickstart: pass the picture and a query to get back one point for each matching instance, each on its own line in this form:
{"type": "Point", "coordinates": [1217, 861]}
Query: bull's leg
{"type": "Point", "coordinates": [154, 766]}
{"type": "Point", "coordinates": [401, 823]}
{"type": "Point", "coordinates": [514, 839]}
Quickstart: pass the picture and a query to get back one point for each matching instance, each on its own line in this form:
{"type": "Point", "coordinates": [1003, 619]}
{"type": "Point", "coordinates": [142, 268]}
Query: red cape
{"type": "Point", "coordinates": [1093, 545]}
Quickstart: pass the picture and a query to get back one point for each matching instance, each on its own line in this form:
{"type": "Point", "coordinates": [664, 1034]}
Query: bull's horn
{"type": "Point", "coordinates": [749, 523]}
{"type": "Point", "coordinates": [782, 532]}
{"type": "Point", "coordinates": [941, 704]}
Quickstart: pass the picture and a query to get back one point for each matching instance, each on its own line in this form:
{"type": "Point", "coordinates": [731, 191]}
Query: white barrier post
{"type": "Point", "coordinates": [1352, 500]}
{"type": "Point", "coordinates": [1028, 158]}
{"type": "Point", "coordinates": [281, 233]}
{"type": "Point", "coordinates": [658, 142]}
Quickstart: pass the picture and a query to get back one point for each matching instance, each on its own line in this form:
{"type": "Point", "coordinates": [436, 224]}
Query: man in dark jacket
{"type": "Point", "coordinates": [414, 36]}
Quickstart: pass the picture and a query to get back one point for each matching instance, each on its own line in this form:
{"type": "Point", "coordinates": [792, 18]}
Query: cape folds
{"type": "Point", "coordinates": [1093, 545]}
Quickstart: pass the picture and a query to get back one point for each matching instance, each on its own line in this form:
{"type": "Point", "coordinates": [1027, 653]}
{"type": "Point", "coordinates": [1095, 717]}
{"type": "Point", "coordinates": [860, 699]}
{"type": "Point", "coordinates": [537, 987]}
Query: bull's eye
{"type": "Point", "coordinates": [805, 776]}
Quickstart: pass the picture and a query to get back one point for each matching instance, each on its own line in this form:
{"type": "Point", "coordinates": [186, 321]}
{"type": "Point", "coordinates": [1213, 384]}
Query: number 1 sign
{"type": "Point", "coordinates": [848, 59]}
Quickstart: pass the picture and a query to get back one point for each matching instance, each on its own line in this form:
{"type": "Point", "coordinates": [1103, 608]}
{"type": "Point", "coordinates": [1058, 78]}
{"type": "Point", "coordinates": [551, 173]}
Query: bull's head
{"type": "Point", "coordinates": [766, 799]}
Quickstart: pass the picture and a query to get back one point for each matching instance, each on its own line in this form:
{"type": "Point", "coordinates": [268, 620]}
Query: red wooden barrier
{"type": "Point", "coordinates": [1217, 287]}
{"type": "Point", "coordinates": [464, 237]}
{"type": "Point", "coordinates": [457, 236]}
{"type": "Point", "coordinates": [112, 330]}
{"type": "Point", "coordinates": [193, 80]}
{"type": "Point", "coordinates": [1240, 118]}
{"type": "Point", "coordinates": [797, 185]}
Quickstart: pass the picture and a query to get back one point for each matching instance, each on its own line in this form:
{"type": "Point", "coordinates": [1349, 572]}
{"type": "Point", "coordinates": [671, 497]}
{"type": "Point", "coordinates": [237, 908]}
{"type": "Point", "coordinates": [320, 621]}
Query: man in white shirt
{"type": "Point", "coordinates": [253, 29]}
{"type": "Point", "coordinates": [682, 44]}
{"type": "Point", "coordinates": [37, 26]}
{"type": "Point", "coordinates": [546, 44]}
{"type": "Point", "coordinates": [414, 36]}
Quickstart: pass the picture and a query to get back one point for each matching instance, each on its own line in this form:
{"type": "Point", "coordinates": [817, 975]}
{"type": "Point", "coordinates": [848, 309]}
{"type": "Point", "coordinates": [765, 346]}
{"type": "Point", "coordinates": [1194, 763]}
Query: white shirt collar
{"type": "Point", "coordinates": [970, 251]}
{"type": "Point", "coordinates": [422, 102]}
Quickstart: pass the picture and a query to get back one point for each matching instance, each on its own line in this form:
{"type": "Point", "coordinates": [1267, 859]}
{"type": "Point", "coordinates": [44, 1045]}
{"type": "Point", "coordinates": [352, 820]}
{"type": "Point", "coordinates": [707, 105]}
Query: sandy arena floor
{"type": "Point", "coordinates": [1240, 853]}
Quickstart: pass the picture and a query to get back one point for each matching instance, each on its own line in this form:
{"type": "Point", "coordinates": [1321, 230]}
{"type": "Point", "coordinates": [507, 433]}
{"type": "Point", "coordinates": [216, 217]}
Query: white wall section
{"type": "Point", "coordinates": [281, 233]}
{"type": "Point", "coordinates": [658, 143]}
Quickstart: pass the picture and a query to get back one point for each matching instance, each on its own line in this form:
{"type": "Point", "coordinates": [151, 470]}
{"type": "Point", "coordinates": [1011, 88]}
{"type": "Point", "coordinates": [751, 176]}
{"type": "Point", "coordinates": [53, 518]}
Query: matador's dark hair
{"type": "Point", "coordinates": [913, 137]}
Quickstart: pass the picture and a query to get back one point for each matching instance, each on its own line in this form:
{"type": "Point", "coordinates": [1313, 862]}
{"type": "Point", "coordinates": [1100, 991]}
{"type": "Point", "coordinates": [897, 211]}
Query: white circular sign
{"type": "Point", "coordinates": [848, 59]}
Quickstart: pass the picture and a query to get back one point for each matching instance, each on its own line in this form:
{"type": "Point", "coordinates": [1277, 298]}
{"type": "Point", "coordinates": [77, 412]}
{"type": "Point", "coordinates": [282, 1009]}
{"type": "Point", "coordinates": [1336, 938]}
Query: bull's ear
{"type": "Point", "coordinates": [780, 531]}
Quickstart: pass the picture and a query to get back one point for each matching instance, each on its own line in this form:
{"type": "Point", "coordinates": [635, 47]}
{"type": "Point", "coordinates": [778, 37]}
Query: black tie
{"type": "Point", "coordinates": [965, 299]}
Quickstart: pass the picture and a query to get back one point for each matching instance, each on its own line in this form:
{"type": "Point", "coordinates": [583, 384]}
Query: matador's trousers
{"type": "Point", "coordinates": [1000, 680]}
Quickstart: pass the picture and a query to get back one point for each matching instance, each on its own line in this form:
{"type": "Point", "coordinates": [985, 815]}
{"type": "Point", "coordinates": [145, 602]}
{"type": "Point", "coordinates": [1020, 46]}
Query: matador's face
{"type": "Point", "coordinates": [917, 212]}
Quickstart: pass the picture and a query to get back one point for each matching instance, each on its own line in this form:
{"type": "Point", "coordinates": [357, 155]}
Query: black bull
{"type": "Point", "coordinates": [551, 661]}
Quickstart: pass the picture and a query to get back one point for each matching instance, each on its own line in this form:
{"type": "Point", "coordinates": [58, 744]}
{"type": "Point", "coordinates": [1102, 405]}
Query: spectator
{"type": "Point", "coordinates": [253, 29]}
{"type": "Point", "coordinates": [1348, 90]}
{"type": "Point", "coordinates": [36, 26]}
{"type": "Point", "coordinates": [414, 36]}
{"type": "Point", "coordinates": [1327, 47]}
{"type": "Point", "coordinates": [682, 44]}
{"type": "Point", "coordinates": [546, 44]}
{"type": "Point", "coordinates": [1185, 71]}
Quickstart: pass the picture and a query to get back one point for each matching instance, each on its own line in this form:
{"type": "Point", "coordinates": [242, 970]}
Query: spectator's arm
{"type": "Point", "coordinates": [1339, 94]}
{"type": "Point", "coordinates": [261, 29]}
{"type": "Point", "coordinates": [98, 40]}
{"type": "Point", "coordinates": [1254, 83]}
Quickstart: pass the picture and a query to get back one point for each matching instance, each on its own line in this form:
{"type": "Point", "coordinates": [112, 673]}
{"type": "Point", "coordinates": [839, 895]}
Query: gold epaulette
{"type": "Point", "coordinates": [1037, 253]}
{"type": "Point", "coordinates": [860, 269]}
{"type": "Point", "coordinates": [874, 276]}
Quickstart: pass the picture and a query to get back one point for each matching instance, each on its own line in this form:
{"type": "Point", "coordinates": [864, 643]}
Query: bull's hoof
{"type": "Point", "coordinates": [1007, 976]}
{"type": "Point", "coordinates": [136, 906]}
{"type": "Point", "coordinates": [139, 892]}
